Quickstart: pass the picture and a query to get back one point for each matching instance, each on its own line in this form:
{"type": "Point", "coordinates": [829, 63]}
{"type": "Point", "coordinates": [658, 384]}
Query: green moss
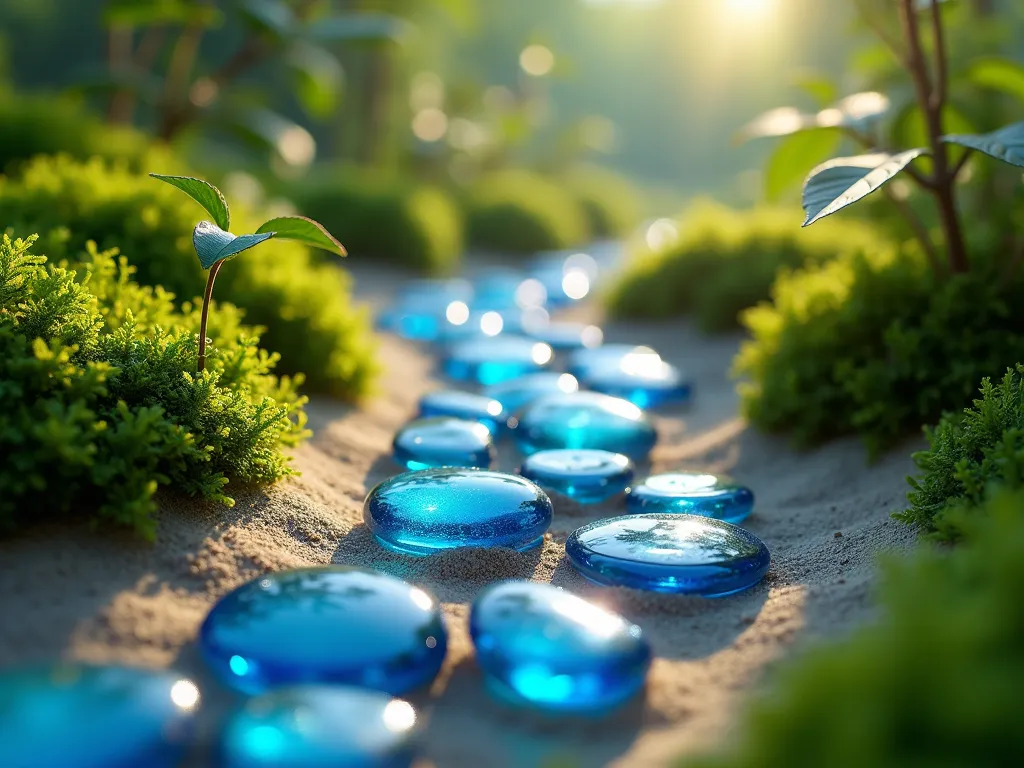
{"type": "Point", "coordinates": [100, 404]}
{"type": "Point", "coordinates": [612, 204]}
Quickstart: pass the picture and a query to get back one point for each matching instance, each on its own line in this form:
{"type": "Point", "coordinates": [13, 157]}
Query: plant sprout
{"type": "Point", "coordinates": [214, 243]}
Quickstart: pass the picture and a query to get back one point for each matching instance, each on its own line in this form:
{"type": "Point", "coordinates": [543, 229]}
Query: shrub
{"type": "Point", "coordinates": [303, 302]}
{"type": "Point", "coordinates": [936, 683]}
{"type": "Point", "coordinates": [612, 204]}
{"type": "Point", "coordinates": [386, 218]}
{"type": "Point", "coordinates": [725, 261]}
{"type": "Point", "coordinates": [100, 405]}
{"type": "Point", "coordinates": [969, 453]}
{"type": "Point", "coordinates": [517, 211]}
{"type": "Point", "coordinates": [875, 344]}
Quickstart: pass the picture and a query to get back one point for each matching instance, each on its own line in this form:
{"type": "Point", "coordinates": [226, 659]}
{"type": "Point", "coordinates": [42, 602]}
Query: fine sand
{"type": "Point", "coordinates": [68, 592]}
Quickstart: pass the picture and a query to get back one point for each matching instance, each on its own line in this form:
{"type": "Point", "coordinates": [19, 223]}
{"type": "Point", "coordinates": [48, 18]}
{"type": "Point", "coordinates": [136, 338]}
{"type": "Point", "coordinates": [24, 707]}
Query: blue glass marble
{"type": "Point", "coordinates": [585, 420]}
{"type": "Point", "coordinates": [521, 391]}
{"type": "Point", "coordinates": [420, 513]}
{"type": "Point", "coordinates": [546, 648]}
{"type": "Point", "coordinates": [443, 441]}
{"type": "Point", "coordinates": [643, 379]}
{"type": "Point", "coordinates": [584, 361]}
{"type": "Point", "coordinates": [464, 405]}
{"type": "Point", "coordinates": [692, 493]}
{"type": "Point", "coordinates": [586, 476]}
{"type": "Point", "coordinates": [314, 726]}
{"type": "Point", "coordinates": [491, 361]}
{"type": "Point", "coordinates": [565, 336]}
{"type": "Point", "coordinates": [331, 625]}
{"type": "Point", "coordinates": [94, 717]}
{"type": "Point", "coordinates": [676, 553]}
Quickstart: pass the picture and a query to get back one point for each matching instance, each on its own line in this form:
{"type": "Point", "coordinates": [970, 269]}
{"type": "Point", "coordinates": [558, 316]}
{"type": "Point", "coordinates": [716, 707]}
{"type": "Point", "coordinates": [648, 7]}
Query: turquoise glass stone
{"type": "Point", "coordinates": [493, 360]}
{"type": "Point", "coordinates": [565, 336]}
{"type": "Point", "coordinates": [676, 553]}
{"type": "Point", "coordinates": [315, 726]}
{"type": "Point", "coordinates": [692, 493]}
{"type": "Point", "coordinates": [643, 379]}
{"type": "Point", "coordinates": [586, 476]}
{"type": "Point", "coordinates": [420, 513]}
{"type": "Point", "coordinates": [585, 420]}
{"type": "Point", "coordinates": [94, 717]}
{"type": "Point", "coordinates": [464, 405]}
{"type": "Point", "coordinates": [544, 647]}
{"type": "Point", "coordinates": [411, 322]}
{"type": "Point", "coordinates": [332, 625]}
{"type": "Point", "coordinates": [584, 361]}
{"type": "Point", "coordinates": [443, 441]}
{"type": "Point", "coordinates": [521, 391]}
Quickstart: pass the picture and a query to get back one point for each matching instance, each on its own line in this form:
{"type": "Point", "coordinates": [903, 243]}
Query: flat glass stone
{"type": "Point", "coordinates": [583, 475]}
{"type": "Point", "coordinates": [692, 493]}
{"type": "Point", "coordinates": [490, 361]}
{"type": "Point", "coordinates": [94, 717]}
{"type": "Point", "coordinates": [420, 513]}
{"type": "Point", "coordinates": [320, 727]}
{"type": "Point", "coordinates": [464, 405]}
{"type": "Point", "coordinates": [411, 322]}
{"type": "Point", "coordinates": [331, 625]}
{"type": "Point", "coordinates": [544, 647]}
{"type": "Point", "coordinates": [440, 292]}
{"type": "Point", "coordinates": [583, 361]}
{"type": "Point", "coordinates": [585, 420]}
{"type": "Point", "coordinates": [521, 391]}
{"type": "Point", "coordinates": [443, 441]}
{"type": "Point", "coordinates": [643, 379]}
{"type": "Point", "coordinates": [677, 553]}
{"type": "Point", "coordinates": [565, 336]}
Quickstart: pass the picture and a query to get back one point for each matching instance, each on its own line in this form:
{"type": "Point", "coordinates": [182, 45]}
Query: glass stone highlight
{"type": "Point", "coordinates": [583, 361]}
{"type": "Point", "coordinates": [683, 554]}
{"type": "Point", "coordinates": [443, 441]}
{"type": "Point", "coordinates": [95, 717]}
{"type": "Point", "coordinates": [320, 727]}
{"type": "Point", "coordinates": [420, 513]}
{"type": "Point", "coordinates": [517, 393]}
{"type": "Point", "coordinates": [584, 475]}
{"type": "Point", "coordinates": [643, 379]}
{"type": "Point", "coordinates": [464, 405]}
{"type": "Point", "coordinates": [564, 336]}
{"type": "Point", "coordinates": [585, 420]}
{"type": "Point", "coordinates": [543, 647]}
{"type": "Point", "coordinates": [492, 361]}
{"type": "Point", "coordinates": [692, 493]}
{"type": "Point", "coordinates": [331, 625]}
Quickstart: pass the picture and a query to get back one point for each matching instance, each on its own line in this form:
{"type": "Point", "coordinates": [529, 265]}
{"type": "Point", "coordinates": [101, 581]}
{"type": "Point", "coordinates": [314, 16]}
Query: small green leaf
{"type": "Point", "coordinates": [998, 74]}
{"type": "Point", "coordinates": [787, 165]}
{"type": "Point", "coordinates": [855, 110]}
{"type": "Point", "coordinates": [318, 78]}
{"type": "Point", "coordinates": [821, 89]}
{"type": "Point", "coordinates": [305, 231]}
{"type": "Point", "coordinates": [270, 16]}
{"type": "Point", "coordinates": [781, 121]}
{"type": "Point", "coordinates": [213, 244]}
{"type": "Point", "coordinates": [837, 183]}
{"type": "Point", "coordinates": [1006, 144]}
{"type": "Point", "coordinates": [204, 193]}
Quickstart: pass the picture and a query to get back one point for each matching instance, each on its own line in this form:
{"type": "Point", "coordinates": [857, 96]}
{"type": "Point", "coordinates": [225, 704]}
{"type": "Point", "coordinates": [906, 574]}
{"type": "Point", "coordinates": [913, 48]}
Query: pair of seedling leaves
{"type": "Point", "coordinates": [214, 243]}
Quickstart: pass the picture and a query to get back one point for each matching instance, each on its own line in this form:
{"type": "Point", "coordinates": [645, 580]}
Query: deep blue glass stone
{"type": "Point", "coordinates": [643, 379]}
{"type": "Point", "coordinates": [443, 441]}
{"type": "Point", "coordinates": [565, 336]}
{"type": "Point", "coordinates": [519, 392]}
{"type": "Point", "coordinates": [439, 292]}
{"type": "Point", "coordinates": [692, 493]}
{"type": "Point", "coordinates": [490, 361]}
{"type": "Point", "coordinates": [544, 647]}
{"type": "Point", "coordinates": [583, 362]}
{"type": "Point", "coordinates": [420, 513]}
{"type": "Point", "coordinates": [585, 420]}
{"type": "Point", "coordinates": [411, 322]}
{"type": "Point", "coordinates": [94, 717]}
{"type": "Point", "coordinates": [332, 625]}
{"type": "Point", "coordinates": [683, 554]}
{"type": "Point", "coordinates": [495, 289]}
{"type": "Point", "coordinates": [464, 405]}
{"type": "Point", "coordinates": [315, 726]}
{"type": "Point", "coordinates": [587, 476]}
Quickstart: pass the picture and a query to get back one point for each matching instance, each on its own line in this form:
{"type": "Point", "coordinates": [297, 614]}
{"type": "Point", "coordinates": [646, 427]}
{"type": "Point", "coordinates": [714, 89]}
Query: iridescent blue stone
{"type": "Point", "coordinates": [692, 493]}
{"type": "Point", "coordinates": [584, 475]}
{"type": "Point", "coordinates": [443, 441]}
{"type": "Point", "coordinates": [420, 513]}
{"type": "Point", "coordinates": [543, 647]}
{"type": "Point", "coordinates": [565, 336]}
{"type": "Point", "coordinates": [464, 405]}
{"type": "Point", "coordinates": [332, 625]}
{"type": "Point", "coordinates": [584, 361]}
{"type": "Point", "coordinates": [585, 420]}
{"type": "Point", "coordinates": [643, 379]}
{"type": "Point", "coordinates": [490, 361]}
{"type": "Point", "coordinates": [316, 726]}
{"type": "Point", "coordinates": [517, 393]}
{"type": "Point", "coordinates": [94, 717]}
{"type": "Point", "coordinates": [675, 553]}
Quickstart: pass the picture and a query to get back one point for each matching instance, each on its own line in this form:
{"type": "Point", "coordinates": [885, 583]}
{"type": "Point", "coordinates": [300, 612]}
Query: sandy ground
{"type": "Point", "coordinates": [824, 515]}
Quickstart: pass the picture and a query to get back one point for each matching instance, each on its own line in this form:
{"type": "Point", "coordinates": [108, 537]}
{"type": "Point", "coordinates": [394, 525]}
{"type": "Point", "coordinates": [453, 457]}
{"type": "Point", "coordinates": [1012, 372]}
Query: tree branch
{"type": "Point", "coordinates": [938, 95]}
{"type": "Point", "coordinates": [883, 34]}
{"type": "Point", "coordinates": [960, 164]}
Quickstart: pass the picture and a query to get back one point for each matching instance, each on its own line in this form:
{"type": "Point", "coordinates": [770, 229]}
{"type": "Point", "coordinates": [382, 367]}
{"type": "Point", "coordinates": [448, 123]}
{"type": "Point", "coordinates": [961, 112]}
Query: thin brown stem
{"type": "Point", "coordinates": [920, 232]}
{"type": "Point", "coordinates": [119, 63]}
{"type": "Point", "coordinates": [207, 298]}
{"type": "Point", "coordinates": [939, 93]}
{"type": "Point", "coordinates": [883, 34]}
{"type": "Point", "coordinates": [955, 172]}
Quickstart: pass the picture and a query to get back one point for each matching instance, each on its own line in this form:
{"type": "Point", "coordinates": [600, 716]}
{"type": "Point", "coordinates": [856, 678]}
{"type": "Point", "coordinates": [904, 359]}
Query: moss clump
{"type": "Point", "coordinates": [100, 404]}
{"type": "Point", "coordinates": [612, 204]}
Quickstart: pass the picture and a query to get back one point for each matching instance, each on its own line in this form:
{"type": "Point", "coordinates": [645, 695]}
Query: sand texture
{"type": "Point", "coordinates": [825, 516]}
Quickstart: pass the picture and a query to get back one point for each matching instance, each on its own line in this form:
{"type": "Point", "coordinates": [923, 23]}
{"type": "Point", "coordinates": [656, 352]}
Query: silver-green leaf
{"type": "Point", "coordinates": [1006, 144]}
{"type": "Point", "coordinates": [303, 230]}
{"type": "Point", "coordinates": [213, 244]}
{"type": "Point", "coordinates": [837, 183]}
{"type": "Point", "coordinates": [205, 194]}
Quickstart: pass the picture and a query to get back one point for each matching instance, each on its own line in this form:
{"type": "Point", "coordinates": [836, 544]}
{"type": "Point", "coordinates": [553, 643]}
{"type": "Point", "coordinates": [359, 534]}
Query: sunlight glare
{"type": "Point", "coordinates": [491, 323]}
{"type": "Point", "coordinates": [749, 7]}
{"type": "Point", "coordinates": [457, 313]}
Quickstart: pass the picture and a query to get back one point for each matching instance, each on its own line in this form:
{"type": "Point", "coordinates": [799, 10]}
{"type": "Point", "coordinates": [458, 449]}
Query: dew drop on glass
{"type": "Point", "coordinates": [330, 625]}
{"type": "Point", "coordinates": [521, 391]}
{"type": "Point", "coordinates": [424, 512]}
{"type": "Point", "coordinates": [683, 554]}
{"type": "Point", "coordinates": [464, 405]}
{"type": "Point", "coordinates": [692, 493]}
{"type": "Point", "coordinates": [443, 441]}
{"type": "Point", "coordinates": [546, 648]}
{"type": "Point", "coordinates": [587, 476]}
{"type": "Point", "coordinates": [491, 361]}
